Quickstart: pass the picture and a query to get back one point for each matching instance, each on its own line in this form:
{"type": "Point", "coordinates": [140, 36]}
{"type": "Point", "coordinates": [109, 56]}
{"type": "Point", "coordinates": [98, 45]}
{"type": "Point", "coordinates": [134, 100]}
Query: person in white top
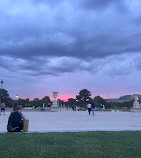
{"type": "Point", "coordinates": [89, 108]}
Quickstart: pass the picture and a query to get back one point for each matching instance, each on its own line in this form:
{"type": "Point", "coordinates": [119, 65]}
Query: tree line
{"type": "Point", "coordinates": [81, 100]}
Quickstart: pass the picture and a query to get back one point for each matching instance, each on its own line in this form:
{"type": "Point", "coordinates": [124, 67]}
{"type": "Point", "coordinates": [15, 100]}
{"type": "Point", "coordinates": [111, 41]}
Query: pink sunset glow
{"type": "Point", "coordinates": [97, 49]}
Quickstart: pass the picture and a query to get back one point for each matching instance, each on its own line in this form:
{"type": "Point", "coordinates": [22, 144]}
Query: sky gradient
{"type": "Point", "coordinates": [69, 45]}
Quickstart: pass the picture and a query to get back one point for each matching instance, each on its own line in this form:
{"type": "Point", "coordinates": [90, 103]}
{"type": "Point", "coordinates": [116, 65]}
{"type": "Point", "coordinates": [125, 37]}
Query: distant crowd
{"type": "Point", "coordinates": [90, 107]}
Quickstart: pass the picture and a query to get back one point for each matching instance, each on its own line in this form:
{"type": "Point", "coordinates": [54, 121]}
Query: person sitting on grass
{"type": "Point", "coordinates": [15, 121]}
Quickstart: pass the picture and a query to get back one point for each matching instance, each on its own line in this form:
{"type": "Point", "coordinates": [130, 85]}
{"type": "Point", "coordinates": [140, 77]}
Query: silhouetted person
{"type": "Point", "coordinates": [89, 108]}
{"type": "Point", "coordinates": [93, 108]}
{"type": "Point", "coordinates": [21, 108]}
{"type": "Point", "coordinates": [73, 107]}
{"type": "Point", "coordinates": [3, 106]}
{"type": "Point", "coordinates": [101, 107]}
{"type": "Point", "coordinates": [15, 121]}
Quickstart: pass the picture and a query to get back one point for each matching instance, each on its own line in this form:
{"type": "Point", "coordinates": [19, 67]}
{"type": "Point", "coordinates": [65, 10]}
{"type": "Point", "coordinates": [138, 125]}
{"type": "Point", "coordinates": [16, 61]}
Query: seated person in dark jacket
{"type": "Point", "coordinates": [15, 121]}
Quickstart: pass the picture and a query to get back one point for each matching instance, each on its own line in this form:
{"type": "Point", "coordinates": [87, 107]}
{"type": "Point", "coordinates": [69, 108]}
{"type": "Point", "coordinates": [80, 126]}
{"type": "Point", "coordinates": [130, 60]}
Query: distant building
{"type": "Point", "coordinates": [122, 99]}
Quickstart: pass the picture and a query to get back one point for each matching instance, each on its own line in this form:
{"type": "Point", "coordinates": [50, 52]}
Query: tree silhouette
{"type": "Point", "coordinates": [83, 97]}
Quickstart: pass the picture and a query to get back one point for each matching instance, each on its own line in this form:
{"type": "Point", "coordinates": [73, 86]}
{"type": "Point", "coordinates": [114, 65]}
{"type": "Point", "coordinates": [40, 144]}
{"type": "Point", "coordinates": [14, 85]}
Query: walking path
{"type": "Point", "coordinates": [78, 121]}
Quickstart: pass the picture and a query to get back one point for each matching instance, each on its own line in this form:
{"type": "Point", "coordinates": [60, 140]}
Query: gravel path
{"type": "Point", "coordinates": [78, 121]}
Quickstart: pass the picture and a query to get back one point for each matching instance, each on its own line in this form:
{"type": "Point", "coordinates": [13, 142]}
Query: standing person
{"type": "Point", "coordinates": [3, 106]}
{"type": "Point", "coordinates": [93, 108]}
{"type": "Point", "coordinates": [21, 108]}
{"type": "Point", "coordinates": [49, 104]}
{"type": "Point", "coordinates": [67, 107]}
{"type": "Point", "coordinates": [76, 108]}
{"type": "Point", "coordinates": [101, 106]}
{"type": "Point", "coordinates": [73, 107]}
{"type": "Point", "coordinates": [89, 108]}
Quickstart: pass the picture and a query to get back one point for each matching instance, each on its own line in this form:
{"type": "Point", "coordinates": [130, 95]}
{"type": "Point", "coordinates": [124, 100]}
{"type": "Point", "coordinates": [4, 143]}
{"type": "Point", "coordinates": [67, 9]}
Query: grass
{"type": "Point", "coordinates": [71, 145]}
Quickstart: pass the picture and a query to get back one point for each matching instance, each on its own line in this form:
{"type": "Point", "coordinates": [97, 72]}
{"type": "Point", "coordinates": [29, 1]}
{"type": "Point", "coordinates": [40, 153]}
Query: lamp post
{"type": "Point", "coordinates": [17, 96]}
{"type": "Point", "coordinates": [1, 91]}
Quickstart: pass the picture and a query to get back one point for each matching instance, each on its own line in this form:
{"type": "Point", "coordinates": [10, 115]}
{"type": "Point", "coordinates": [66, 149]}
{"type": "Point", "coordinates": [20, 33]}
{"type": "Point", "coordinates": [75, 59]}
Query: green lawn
{"type": "Point", "coordinates": [71, 145]}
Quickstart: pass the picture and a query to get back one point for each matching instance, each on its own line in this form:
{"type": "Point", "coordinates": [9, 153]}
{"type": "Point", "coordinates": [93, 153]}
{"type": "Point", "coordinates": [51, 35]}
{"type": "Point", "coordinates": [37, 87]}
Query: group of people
{"type": "Point", "coordinates": [91, 107]}
{"type": "Point", "coordinates": [75, 108]}
{"type": "Point", "coordinates": [2, 108]}
{"type": "Point", "coordinates": [15, 121]}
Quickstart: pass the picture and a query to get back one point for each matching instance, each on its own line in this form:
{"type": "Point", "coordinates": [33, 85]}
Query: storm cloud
{"type": "Point", "coordinates": [68, 45]}
{"type": "Point", "coordinates": [57, 38]}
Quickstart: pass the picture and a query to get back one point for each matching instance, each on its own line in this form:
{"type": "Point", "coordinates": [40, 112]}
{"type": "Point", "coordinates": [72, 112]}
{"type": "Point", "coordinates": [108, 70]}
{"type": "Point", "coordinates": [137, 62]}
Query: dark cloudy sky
{"type": "Point", "coordinates": [68, 45]}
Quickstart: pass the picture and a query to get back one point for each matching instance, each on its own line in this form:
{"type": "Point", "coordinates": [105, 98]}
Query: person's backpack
{"type": "Point", "coordinates": [15, 122]}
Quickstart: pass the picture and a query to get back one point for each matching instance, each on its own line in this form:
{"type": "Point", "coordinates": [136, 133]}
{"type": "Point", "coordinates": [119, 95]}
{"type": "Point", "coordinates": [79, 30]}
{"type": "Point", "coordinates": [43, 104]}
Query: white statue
{"type": "Point", "coordinates": [136, 104]}
{"type": "Point", "coordinates": [55, 104]}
